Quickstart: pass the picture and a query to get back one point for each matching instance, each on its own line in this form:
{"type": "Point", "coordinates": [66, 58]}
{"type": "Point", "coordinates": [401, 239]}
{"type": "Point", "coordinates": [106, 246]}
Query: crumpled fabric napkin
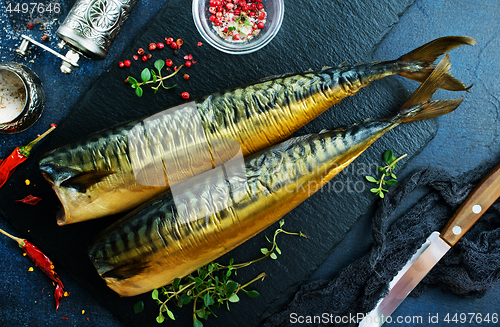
{"type": "Point", "coordinates": [469, 269]}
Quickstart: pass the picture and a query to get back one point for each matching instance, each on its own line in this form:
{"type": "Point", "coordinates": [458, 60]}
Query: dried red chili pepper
{"type": "Point", "coordinates": [41, 261]}
{"type": "Point", "coordinates": [17, 157]}
{"type": "Point", "coordinates": [30, 199]}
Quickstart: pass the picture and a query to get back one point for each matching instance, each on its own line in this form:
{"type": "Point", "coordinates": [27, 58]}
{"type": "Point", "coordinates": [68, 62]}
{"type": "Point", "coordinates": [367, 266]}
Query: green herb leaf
{"type": "Point", "coordinates": [371, 179]}
{"type": "Point", "coordinates": [159, 64]}
{"type": "Point", "coordinates": [264, 251]}
{"type": "Point", "coordinates": [273, 256]}
{"type": "Point", "coordinates": [277, 249]}
{"type": "Point", "coordinates": [146, 75]}
{"type": "Point", "coordinates": [388, 156]}
{"type": "Point", "coordinates": [176, 283]}
{"type": "Point", "coordinates": [138, 306]}
{"type": "Point", "coordinates": [231, 287]}
{"type": "Point", "coordinates": [138, 91]}
{"type": "Point", "coordinates": [374, 190]}
{"type": "Point", "coordinates": [160, 319]}
{"type": "Point", "coordinates": [198, 281]}
{"type": "Point", "coordinates": [252, 294]}
{"type": "Point", "coordinates": [234, 298]}
{"type": "Point", "coordinates": [197, 323]}
{"type": "Point", "coordinates": [231, 28]}
{"type": "Point", "coordinates": [154, 75]}
{"type": "Point", "coordinates": [185, 299]}
{"type": "Point", "coordinates": [282, 223]}
{"type": "Point", "coordinates": [154, 294]}
{"type": "Point", "coordinates": [208, 300]}
{"type": "Point", "coordinates": [391, 182]}
{"type": "Point", "coordinates": [170, 314]}
{"type": "Point", "coordinates": [132, 80]}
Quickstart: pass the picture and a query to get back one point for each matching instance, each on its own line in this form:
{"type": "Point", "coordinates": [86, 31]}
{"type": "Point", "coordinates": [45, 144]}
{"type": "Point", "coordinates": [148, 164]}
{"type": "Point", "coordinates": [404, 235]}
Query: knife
{"type": "Point", "coordinates": [437, 244]}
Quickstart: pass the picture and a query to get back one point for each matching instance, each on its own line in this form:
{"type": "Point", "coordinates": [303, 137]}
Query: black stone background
{"type": "Point", "coordinates": [341, 32]}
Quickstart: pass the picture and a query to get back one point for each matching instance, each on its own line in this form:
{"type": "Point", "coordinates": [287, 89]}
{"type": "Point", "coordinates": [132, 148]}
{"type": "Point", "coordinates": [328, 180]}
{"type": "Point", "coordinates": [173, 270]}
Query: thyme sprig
{"type": "Point", "coordinates": [387, 171]}
{"type": "Point", "coordinates": [212, 286]}
{"type": "Point", "coordinates": [149, 76]}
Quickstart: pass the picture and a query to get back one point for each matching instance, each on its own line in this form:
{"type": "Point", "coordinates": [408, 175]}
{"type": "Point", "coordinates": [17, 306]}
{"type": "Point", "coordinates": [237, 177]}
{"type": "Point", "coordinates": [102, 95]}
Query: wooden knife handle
{"type": "Point", "coordinates": [478, 201]}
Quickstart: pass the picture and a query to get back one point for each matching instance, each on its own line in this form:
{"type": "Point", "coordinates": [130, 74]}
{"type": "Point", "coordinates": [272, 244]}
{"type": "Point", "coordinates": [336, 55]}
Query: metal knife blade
{"type": "Point", "coordinates": [437, 244]}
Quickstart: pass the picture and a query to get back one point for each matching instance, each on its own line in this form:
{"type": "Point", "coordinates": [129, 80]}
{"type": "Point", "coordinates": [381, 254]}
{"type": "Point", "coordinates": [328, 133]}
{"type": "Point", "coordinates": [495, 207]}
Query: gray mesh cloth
{"type": "Point", "coordinates": [469, 269]}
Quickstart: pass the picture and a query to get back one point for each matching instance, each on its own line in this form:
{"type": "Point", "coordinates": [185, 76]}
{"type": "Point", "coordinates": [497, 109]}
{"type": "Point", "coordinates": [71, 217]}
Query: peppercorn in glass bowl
{"type": "Point", "coordinates": [238, 26]}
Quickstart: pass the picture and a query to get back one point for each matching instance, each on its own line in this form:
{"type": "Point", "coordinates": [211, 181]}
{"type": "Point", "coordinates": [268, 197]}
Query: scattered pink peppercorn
{"type": "Point", "coordinates": [127, 63]}
{"type": "Point", "coordinates": [144, 58]}
{"type": "Point", "coordinates": [152, 46]}
{"type": "Point", "coordinates": [160, 45]}
{"type": "Point", "coordinates": [260, 25]}
{"type": "Point", "coordinates": [121, 64]}
{"type": "Point", "coordinates": [185, 95]}
{"type": "Point", "coordinates": [136, 57]}
{"type": "Point", "coordinates": [262, 15]}
{"type": "Point", "coordinates": [199, 44]}
{"type": "Point", "coordinates": [140, 51]}
{"type": "Point", "coordinates": [212, 18]}
{"type": "Point", "coordinates": [173, 45]}
{"type": "Point", "coordinates": [169, 40]}
{"type": "Point", "coordinates": [169, 62]}
{"type": "Point", "coordinates": [45, 38]}
{"type": "Point", "coordinates": [188, 64]}
{"type": "Point", "coordinates": [236, 36]}
{"type": "Point", "coordinates": [30, 25]}
{"type": "Point", "coordinates": [186, 76]}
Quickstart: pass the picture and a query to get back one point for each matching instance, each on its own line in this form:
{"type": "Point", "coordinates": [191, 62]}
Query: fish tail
{"type": "Point", "coordinates": [419, 63]}
{"type": "Point", "coordinates": [419, 106]}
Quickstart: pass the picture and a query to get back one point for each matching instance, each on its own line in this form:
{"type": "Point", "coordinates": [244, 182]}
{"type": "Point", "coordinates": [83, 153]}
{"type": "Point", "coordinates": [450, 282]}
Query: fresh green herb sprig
{"type": "Point", "coordinates": [211, 286]}
{"type": "Point", "coordinates": [274, 250]}
{"type": "Point", "coordinates": [149, 76]}
{"type": "Point", "coordinates": [387, 171]}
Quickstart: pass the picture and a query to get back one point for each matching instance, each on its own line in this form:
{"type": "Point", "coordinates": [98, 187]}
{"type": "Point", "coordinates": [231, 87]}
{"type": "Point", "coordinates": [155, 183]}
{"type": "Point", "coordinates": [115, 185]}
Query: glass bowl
{"type": "Point", "coordinates": [274, 10]}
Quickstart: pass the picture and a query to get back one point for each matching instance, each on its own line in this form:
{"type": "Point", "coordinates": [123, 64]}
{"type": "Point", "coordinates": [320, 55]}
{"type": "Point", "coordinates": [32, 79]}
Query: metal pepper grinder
{"type": "Point", "coordinates": [89, 30]}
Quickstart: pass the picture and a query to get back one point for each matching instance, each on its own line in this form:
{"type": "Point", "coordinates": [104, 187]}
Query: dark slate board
{"type": "Point", "coordinates": [317, 34]}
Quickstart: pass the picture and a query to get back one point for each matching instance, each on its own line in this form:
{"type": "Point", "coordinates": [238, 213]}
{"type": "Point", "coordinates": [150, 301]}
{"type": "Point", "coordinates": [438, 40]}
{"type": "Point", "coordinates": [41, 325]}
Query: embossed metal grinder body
{"type": "Point", "coordinates": [91, 26]}
{"type": "Point", "coordinates": [89, 29]}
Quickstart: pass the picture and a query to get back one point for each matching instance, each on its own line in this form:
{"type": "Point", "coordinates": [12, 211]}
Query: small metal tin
{"type": "Point", "coordinates": [92, 25]}
{"type": "Point", "coordinates": [28, 95]}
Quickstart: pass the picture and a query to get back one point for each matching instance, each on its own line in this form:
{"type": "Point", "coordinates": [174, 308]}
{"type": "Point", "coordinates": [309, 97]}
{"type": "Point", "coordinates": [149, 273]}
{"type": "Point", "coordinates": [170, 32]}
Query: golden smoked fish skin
{"type": "Point", "coordinates": [99, 176]}
{"type": "Point", "coordinates": [209, 214]}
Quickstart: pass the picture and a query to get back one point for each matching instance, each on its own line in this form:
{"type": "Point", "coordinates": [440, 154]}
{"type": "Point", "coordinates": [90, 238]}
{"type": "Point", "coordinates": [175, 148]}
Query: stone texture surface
{"type": "Point", "coordinates": [341, 32]}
